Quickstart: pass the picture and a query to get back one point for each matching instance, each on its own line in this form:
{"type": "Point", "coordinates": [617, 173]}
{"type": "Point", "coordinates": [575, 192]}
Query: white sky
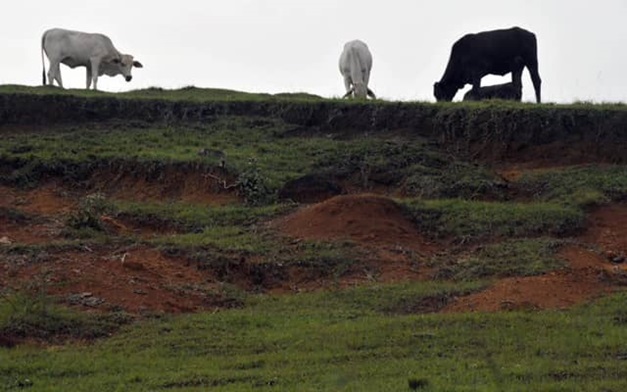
{"type": "Point", "coordinates": [294, 45]}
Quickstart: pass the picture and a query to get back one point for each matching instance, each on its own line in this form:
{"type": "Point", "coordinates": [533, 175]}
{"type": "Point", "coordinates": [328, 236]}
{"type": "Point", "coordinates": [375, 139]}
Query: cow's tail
{"type": "Point", "coordinates": [43, 64]}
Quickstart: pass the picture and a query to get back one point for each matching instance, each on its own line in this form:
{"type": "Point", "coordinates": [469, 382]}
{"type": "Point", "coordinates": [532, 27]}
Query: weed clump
{"type": "Point", "coordinates": [35, 316]}
{"type": "Point", "coordinates": [91, 208]}
{"type": "Point", "coordinates": [252, 185]}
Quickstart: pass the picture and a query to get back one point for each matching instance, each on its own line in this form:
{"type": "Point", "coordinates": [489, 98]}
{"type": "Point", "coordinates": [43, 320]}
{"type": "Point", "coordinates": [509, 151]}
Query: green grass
{"type": "Point", "coordinates": [249, 146]}
{"type": "Point", "coordinates": [343, 341]}
{"type": "Point", "coordinates": [379, 337]}
{"type": "Point", "coordinates": [36, 316]}
{"type": "Point", "coordinates": [474, 220]}
{"type": "Point", "coordinates": [188, 94]}
{"type": "Point", "coordinates": [454, 179]}
{"type": "Point", "coordinates": [229, 239]}
{"type": "Point", "coordinates": [321, 259]}
{"type": "Point", "coordinates": [580, 186]}
{"type": "Point", "coordinates": [524, 257]}
{"type": "Point", "coordinates": [199, 94]}
{"type": "Point", "coordinates": [194, 217]}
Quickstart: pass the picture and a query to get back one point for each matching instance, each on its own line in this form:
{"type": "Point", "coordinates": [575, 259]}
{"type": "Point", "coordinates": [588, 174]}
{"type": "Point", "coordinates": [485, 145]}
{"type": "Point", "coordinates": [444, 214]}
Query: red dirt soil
{"type": "Point", "coordinates": [140, 279]}
{"type": "Point", "coordinates": [135, 279]}
{"type": "Point", "coordinates": [588, 277]}
{"type": "Point", "coordinates": [48, 199]}
{"type": "Point", "coordinates": [377, 223]}
{"type": "Point", "coordinates": [192, 187]}
{"type": "Point", "coordinates": [395, 250]}
{"type": "Point", "coordinates": [370, 220]}
{"type": "Point", "coordinates": [589, 274]}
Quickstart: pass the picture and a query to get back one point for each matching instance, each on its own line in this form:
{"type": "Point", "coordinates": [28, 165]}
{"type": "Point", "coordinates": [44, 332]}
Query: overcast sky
{"type": "Point", "coordinates": [294, 45]}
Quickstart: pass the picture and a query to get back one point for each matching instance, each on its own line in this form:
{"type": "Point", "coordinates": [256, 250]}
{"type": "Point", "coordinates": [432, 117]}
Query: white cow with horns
{"type": "Point", "coordinates": [355, 66]}
{"type": "Point", "coordinates": [77, 49]}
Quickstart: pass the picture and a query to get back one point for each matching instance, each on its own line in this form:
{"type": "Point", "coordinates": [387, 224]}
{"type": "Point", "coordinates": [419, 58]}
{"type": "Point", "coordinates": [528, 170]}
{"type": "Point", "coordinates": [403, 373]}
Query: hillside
{"type": "Point", "coordinates": [121, 208]}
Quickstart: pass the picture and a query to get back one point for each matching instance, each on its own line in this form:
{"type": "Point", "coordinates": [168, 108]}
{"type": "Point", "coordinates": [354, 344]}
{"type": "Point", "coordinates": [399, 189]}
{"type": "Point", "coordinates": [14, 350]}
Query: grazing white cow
{"type": "Point", "coordinates": [92, 51]}
{"type": "Point", "coordinates": [355, 66]}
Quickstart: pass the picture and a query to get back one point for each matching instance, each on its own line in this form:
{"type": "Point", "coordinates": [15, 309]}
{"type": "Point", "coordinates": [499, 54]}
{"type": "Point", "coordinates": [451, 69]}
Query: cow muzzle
{"type": "Point", "coordinates": [129, 78]}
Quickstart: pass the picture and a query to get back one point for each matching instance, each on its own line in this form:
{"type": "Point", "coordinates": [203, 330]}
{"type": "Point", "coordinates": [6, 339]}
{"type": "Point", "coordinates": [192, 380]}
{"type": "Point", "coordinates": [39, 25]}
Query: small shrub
{"type": "Point", "coordinates": [91, 208]}
{"type": "Point", "coordinates": [253, 185]}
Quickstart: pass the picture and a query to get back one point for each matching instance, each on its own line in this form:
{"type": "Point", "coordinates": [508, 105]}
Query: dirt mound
{"type": "Point", "coordinates": [366, 219]}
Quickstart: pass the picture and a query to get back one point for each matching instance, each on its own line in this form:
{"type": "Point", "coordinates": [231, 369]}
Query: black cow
{"type": "Point", "coordinates": [506, 91]}
{"type": "Point", "coordinates": [495, 52]}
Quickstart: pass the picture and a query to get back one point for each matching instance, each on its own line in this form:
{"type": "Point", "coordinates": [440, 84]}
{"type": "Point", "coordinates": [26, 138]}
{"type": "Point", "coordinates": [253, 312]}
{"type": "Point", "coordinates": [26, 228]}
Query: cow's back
{"type": "Point", "coordinates": [496, 49]}
{"type": "Point", "coordinates": [76, 46]}
{"type": "Point", "coordinates": [355, 53]}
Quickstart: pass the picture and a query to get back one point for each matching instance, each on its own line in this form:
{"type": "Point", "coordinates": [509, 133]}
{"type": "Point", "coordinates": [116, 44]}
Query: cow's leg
{"type": "Point", "coordinates": [535, 78]}
{"type": "Point", "coordinates": [95, 66]}
{"type": "Point", "coordinates": [369, 92]}
{"type": "Point", "coordinates": [517, 78]}
{"type": "Point", "coordinates": [51, 76]}
{"type": "Point", "coordinates": [54, 73]}
{"type": "Point", "coordinates": [347, 86]}
{"type": "Point", "coordinates": [57, 73]}
{"type": "Point", "coordinates": [88, 82]}
{"type": "Point", "coordinates": [476, 85]}
{"type": "Point", "coordinates": [517, 70]}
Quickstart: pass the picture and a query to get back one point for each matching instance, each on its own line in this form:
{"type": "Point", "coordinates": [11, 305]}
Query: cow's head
{"type": "Point", "coordinates": [120, 65]}
{"type": "Point", "coordinates": [359, 91]}
{"type": "Point", "coordinates": [444, 91]}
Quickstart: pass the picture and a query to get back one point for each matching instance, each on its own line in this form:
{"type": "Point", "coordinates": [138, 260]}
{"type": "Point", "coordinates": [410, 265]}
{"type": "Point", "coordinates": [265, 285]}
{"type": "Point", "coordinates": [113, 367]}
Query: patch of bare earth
{"type": "Point", "coordinates": [589, 275]}
{"type": "Point", "coordinates": [47, 199]}
{"type": "Point", "coordinates": [28, 233]}
{"type": "Point", "coordinates": [43, 208]}
{"type": "Point", "coordinates": [142, 279]}
{"type": "Point", "coordinates": [191, 187]}
{"type": "Point", "coordinates": [135, 279]}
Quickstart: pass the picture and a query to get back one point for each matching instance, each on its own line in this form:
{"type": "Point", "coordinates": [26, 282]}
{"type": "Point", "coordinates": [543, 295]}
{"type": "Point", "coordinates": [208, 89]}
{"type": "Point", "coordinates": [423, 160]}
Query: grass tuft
{"type": "Point", "coordinates": [476, 220]}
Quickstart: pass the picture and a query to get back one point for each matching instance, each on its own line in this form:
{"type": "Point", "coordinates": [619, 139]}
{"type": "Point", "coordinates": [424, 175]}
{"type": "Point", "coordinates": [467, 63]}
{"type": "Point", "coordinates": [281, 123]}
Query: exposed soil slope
{"type": "Point", "coordinates": [141, 279]}
{"type": "Point", "coordinates": [589, 275]}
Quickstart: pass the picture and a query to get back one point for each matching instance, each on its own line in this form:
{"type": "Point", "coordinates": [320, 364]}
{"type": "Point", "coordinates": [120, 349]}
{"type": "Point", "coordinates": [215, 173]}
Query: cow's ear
{"type": "Point", "coordinates": [137, 64]}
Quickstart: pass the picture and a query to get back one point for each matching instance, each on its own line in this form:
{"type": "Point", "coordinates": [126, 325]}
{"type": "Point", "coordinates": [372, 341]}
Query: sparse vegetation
{"type": "Point", "coordinates": [580, 186]}
{"type": "Point", "coordinates": [195, 217]}
{"type": "Point", "coordinates": [91, 208]}
{"type": "Point", "coordinates": [34, 315]}
{"type": "Point", "coordinates": [361, 332]}
{"type": "Point", "coordinates": [510, 258]}
{"type": "Point", "coordinates": [345, 345]}
{"type": "Point", "coordinates": [476, 220]}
